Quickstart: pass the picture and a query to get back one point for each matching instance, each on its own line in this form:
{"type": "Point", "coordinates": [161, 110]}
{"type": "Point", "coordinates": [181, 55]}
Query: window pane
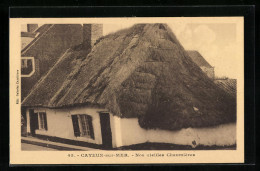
{"type": "Point", "coordinates": [84, 125]}
{"type": "Point", "coordinates": [41, 120]}
{"type": "Point", "coordinates": [27, 66]}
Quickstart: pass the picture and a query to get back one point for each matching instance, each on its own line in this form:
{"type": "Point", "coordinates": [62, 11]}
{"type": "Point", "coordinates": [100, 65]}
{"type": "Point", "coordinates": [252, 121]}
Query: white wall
{"type": "Point", "coordinates": [115, 123]}
{"type": "Point", "coordinates": [28, 127]}
{"type": "Point", "coordinates": [127, 131]}
{"type": "Point", "coordinates": [26, 41]}
{"type": "Point", "coordinates": [221, 135]}
{"type": "Point", "coordinates": [59, 123]}
{"type": "Point", "coordinates": [131, 132]}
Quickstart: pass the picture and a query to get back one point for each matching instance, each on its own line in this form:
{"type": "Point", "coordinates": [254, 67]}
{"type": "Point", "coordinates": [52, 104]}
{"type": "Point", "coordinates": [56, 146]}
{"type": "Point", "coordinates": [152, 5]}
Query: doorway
{"type": "Point", "coordinates": [33, 121]}
{"type": "Point", "coordinates": [106, 130]}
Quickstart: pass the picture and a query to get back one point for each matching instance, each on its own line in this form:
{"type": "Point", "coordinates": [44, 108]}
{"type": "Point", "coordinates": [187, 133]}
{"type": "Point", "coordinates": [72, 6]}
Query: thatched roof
{"type": "Point", "coordinates": [139, 72]}
{"type": "Point", "coordinates": [198, 59]}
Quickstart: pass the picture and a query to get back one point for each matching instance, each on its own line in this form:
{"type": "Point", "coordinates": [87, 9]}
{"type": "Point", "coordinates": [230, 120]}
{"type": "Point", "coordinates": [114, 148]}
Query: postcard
{"type": "Point", "coordinates": [151, 90]}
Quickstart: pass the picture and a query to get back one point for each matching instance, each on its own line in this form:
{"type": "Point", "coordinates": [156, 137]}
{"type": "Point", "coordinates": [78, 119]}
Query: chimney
{"type": "Point", "coordinates": [91, 33]}
{"type": "Point", "coordinates": [31, 27]}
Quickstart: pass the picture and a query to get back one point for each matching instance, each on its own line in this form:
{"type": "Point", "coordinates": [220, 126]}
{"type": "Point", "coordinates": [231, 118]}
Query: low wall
{"type": "Point", "coordinates": [221, 135]}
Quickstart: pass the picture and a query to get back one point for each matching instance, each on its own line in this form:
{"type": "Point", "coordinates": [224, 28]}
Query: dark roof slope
{"type": "Point", "coordinates": [139, 72]}
{"type": "Point", "coordinates": [51, 42]}
{"type": "Point", "coordinates": [198, 59]}
{"type": "Point", "coordinates": [41, 30]}
{"type": "Point", "coordinates": [229, 85]}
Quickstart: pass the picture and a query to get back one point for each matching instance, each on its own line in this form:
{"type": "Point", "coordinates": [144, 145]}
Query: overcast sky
{"type": "Point", "coordinates": [217, 42]}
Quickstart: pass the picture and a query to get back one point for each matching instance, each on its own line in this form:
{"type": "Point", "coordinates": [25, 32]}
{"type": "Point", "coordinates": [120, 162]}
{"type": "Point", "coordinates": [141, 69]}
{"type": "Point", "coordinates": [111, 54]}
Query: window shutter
{"type": "Point", "coordinates": [91, 127]}
{"type": "Point", "coordinates": [37, 121]}
{"type": "Point", "coordinates": [75, 123]}
{"type": "Point", "coordinates": [45, 121]}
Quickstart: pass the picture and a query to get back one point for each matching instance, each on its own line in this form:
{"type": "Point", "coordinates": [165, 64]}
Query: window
{"type": "Point", "coordinates": [82, 125]}
{"type": "Point", "coordinates": [27, 66]}
{"type": "Point", "coordinates": [42, 120]}
{"type": "Point", "coordinates": [25, 63]}
{"type": "Point", "coordinates": [42, 117]}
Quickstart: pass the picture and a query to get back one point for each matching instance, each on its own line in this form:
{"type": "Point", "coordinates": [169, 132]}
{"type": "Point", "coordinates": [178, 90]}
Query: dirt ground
{"type": "Point", "coordinates": [31, 147]}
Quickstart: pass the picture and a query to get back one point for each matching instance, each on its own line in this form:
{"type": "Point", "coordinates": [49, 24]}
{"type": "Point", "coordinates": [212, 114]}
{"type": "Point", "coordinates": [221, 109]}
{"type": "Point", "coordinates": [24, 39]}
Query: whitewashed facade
{"type": "Point", "coordinates": [127, 131]}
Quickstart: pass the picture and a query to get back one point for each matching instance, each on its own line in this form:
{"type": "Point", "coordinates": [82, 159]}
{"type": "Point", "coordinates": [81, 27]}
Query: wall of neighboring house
{"type": "Point", "coordinates": [26, 41]}
{"type": "Point", "coordinates": [209, 71]}
{"type": "Point", "coordinates": [59, 123]}
{"type": "Point", "coordinates": [132, 133]}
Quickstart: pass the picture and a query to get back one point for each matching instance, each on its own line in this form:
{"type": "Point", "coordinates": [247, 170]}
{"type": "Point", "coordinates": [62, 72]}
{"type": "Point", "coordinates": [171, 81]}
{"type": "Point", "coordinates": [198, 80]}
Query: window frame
{"type": "Point", "coordinates": [42, 121]}
{"type": "Point", "coordinates": [33, 66]}
{"type": "Point", "coordinates": [84, 126]}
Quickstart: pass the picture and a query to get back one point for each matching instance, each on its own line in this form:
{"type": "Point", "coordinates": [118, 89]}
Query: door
{"type": "Point", "coordinates": [106, 130]}
{"type": "Point", "coordinates": [33, 121]}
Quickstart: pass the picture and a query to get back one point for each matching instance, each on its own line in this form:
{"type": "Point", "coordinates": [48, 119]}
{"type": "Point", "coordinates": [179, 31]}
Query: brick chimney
{"type": "Point", "coordinates": [31, 27]}
{"type": "Point", "coordinates": [91, 33]}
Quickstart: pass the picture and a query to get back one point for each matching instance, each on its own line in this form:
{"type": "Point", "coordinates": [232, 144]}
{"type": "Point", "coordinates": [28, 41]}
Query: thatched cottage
{"type": "Point", "coordinates": [198, 59]}
{"type": "Point", "coordinates": [135, 86]}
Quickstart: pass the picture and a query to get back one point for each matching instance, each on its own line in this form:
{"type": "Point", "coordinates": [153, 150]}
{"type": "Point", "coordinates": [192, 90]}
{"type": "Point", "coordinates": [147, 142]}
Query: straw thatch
{"type": "Point", "coordinates": [139, 72]}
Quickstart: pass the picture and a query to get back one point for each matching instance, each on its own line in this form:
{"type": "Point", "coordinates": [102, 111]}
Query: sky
{"type": "Point", "coordinates": [217, 42]}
